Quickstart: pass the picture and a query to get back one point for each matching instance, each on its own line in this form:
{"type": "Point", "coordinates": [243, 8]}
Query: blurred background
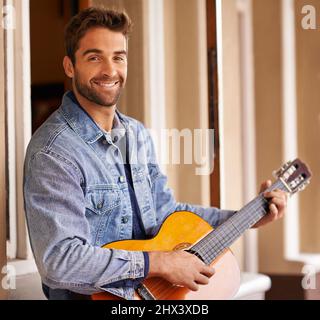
{"type": "Point", "coordinates": [249, 69]}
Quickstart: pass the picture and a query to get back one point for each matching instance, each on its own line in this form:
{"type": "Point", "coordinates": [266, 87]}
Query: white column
{"type": "Point", "coordinates": [289, 121]}
{"type": "Point", "coordinates": [23, 119]}
{"type": "Point", "coordinates": [11, 137]}
{"type": "Point", "coordinates": [290, 132]}
{"type": "Point", "coordinates": [18, 123]}
{"type": "Point", "coordinates": [248, 127]}
{"type": "Point", "coordinates": [155, 73]}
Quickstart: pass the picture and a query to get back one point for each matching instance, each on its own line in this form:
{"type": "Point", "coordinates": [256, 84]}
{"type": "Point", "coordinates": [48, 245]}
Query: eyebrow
{"type": "Point", "coordinates": [124, 52]}
{"type": "Point", "coordinates": [121, 52]}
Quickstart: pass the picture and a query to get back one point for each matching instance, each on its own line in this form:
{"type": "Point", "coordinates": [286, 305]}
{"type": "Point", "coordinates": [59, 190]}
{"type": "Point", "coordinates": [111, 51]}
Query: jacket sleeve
{"type": "Point", "coordinates": [60, 234]}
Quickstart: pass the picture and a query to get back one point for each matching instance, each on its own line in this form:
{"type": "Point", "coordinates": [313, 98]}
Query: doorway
{"type": "Point", "coordinates": [48, 81]}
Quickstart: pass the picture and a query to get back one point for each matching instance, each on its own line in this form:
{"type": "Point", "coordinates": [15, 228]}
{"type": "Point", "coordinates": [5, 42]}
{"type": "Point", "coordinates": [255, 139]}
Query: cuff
{"type": "Point", "coordinates": [133, 283]}
{"type": "Point", "coordinates": [146, 264]}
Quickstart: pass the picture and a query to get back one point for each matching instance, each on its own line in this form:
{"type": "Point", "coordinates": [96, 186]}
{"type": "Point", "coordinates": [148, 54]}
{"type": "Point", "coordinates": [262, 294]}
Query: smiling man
{"type": "Point", "coordinates": [91, 177]}
{"type": "Point", "coordinates": [97, 63]}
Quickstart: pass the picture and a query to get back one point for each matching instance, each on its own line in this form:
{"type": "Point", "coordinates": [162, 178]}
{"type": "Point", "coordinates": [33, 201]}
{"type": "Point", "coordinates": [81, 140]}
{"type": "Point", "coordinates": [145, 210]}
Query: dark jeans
{"type": "Point", "coordinates": [62, 294]}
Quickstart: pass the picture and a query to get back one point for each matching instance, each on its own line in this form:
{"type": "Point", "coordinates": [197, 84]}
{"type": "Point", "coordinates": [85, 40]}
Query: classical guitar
{"type": "Point", "coordinates": [186, 231]}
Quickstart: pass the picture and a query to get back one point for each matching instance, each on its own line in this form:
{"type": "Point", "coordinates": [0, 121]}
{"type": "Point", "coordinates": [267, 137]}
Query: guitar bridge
{"type": "Point", "coordinates": [144, 292]}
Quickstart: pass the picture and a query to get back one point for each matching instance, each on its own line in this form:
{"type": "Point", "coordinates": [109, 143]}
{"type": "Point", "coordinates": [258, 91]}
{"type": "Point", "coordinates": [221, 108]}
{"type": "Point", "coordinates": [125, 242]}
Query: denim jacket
{"type": "Point", "coordinates": [77, 199]}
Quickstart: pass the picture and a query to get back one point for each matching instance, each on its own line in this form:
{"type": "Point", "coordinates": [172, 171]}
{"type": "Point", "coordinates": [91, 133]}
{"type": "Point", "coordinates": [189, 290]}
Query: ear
{"type": "Point", "coordinates": [68, 67]}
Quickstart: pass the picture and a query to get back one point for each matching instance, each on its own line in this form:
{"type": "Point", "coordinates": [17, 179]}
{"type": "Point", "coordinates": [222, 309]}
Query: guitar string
{"type": "Point", "coordinates": [253, 205]}
{"type": "Point", "coordinates": [222, 236]}
{"type": "Point", "coordinates": [217, 234]}
{"type": "Point", "coordinates": [219, 237]}
{"type": "Point", "coordinates": [229, 231]}
{"type": "Point", "coordinates": [237, 219]}
{"type": "Point", "coordinates": [241, 222]}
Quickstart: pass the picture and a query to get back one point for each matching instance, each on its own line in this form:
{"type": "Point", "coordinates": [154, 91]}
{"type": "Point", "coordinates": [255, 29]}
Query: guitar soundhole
{"type": "Point", "coordinates": [182, 246]}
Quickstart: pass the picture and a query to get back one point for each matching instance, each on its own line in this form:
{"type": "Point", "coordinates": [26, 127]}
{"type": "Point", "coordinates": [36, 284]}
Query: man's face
{"type": "Point", "coordinates": [100, 70]}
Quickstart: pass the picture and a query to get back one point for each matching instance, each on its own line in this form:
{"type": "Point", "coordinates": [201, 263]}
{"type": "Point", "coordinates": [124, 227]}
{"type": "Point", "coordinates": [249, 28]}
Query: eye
{"type": "Point", "coordinates": [94, 58]}
{"type": "Point", "coordinates": [119, 58]}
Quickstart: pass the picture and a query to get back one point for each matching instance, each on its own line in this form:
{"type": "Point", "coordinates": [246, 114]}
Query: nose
{"type": "Point", "coordinates": [109, 69]}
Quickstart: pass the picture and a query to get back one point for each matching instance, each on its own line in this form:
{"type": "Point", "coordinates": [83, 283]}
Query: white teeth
{"type": "Point", "coordinates": [106, 84]}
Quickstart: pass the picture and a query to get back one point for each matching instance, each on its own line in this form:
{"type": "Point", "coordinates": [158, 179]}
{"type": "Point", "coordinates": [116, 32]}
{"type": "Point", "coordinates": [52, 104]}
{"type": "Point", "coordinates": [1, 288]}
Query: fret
{"type": "Point", "coordinates": [227, 233]}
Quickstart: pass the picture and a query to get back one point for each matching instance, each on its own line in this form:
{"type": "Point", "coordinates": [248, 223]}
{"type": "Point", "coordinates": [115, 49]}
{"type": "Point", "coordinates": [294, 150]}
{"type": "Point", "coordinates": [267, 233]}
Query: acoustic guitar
{"type": "Point", "coordinates": [185, 230]}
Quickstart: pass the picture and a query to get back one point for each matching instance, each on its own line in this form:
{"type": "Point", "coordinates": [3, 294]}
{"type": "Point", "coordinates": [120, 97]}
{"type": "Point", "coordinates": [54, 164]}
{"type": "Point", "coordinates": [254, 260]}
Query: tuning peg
{"type": "Point", "coordinates": [281, 170]}
{"type": "Point", "coordinates": [304, 185]}
{"type": "Point", "coordinates": [275, 174]}
{"type": "Point", "coordinates": [286, 165]}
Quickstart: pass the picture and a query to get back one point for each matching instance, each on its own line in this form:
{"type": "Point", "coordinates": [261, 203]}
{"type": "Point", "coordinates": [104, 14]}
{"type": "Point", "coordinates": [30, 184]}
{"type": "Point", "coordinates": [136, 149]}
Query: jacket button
{"type": "Point", "coordinates": [124, 219]}
{"type": "Point", "coordinates": [122, 179]}
{"type": "Point", "coordinates": [99, 205]}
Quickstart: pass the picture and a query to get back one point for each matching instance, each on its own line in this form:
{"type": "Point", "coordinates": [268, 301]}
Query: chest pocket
{"type": "Point", "coordinates": [102, 199]}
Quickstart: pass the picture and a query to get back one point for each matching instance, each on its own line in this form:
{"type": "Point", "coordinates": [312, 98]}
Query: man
{"type": "Point", "coordinates": [91, 177]}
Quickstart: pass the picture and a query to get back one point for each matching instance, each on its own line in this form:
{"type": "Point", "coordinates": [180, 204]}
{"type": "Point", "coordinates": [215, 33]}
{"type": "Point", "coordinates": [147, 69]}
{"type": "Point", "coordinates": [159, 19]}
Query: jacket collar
{"type": "Point", "coordinates": [82, 123]}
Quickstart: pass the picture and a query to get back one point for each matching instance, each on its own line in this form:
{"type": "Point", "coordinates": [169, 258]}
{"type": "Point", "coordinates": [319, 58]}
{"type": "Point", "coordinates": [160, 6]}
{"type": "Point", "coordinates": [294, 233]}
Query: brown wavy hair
{"type": "Point", "coordinates": [94, 17]}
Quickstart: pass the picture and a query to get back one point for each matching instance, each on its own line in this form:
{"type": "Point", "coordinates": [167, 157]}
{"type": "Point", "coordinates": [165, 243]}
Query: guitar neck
{"type": "Point", "coordinates": [209, 247]}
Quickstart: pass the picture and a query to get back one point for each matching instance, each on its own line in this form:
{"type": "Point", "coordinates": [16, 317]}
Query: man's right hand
{"type": "Point", "coordinates": [179, 268]}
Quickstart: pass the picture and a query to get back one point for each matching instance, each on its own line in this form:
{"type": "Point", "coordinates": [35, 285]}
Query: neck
{"type": "Point", "coordinates": [102, 116]}
{"type": "Point", "coordinates": [213, 244]}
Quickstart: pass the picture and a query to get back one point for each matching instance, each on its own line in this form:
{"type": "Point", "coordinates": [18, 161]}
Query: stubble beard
{"type": "Point", "coordinates": [94, 95]}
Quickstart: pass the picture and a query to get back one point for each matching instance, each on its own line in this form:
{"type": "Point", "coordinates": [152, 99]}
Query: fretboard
{"type": "Point", "coordinates": [227, 233]}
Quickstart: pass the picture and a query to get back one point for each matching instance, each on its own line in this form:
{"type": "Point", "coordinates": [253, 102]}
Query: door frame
{"type": "Point", "coordinates": [18, 106]}
{"type": "Point", "coordinates": [213, 99]}
{"type": "Point", "coordinates": [3, 190]}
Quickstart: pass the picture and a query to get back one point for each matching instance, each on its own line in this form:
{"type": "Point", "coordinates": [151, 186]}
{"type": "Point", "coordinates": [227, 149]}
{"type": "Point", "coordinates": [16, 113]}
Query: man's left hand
{"type": "Point", "coordinates": [277, 204]}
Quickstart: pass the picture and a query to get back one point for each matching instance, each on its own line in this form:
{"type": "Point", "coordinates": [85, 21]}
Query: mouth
{"type": "Point", "coordinates": [106, 84]}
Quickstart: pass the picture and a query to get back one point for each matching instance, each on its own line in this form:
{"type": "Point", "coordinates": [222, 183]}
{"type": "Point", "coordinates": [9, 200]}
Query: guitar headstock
{"type": "Point", "coordinates": [295, 175]}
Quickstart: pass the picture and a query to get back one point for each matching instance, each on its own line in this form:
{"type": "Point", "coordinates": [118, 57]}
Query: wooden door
{"type": "Point", "coordinates": [70, 8]}
{"type": "Point", "coordinates": [213, 99]}
{"type": "Point", "coordinates": [3, 189]}
{"type": "Point", "coordinates": [47, 77]}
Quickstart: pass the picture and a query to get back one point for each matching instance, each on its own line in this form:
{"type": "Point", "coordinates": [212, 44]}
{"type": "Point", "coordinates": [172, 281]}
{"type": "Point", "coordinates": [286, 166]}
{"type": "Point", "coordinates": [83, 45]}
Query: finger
{"type": "Point", "coordinates": [275, 194]}
{"type": "Point", "coordinates": [193, 286]}
{"type": "Point", "coordinates": [201, 279]}
{"type": "Point", "coordinates": [281, 206]}
{"type": "Point", "coordinates": [208, 271]}
{"type": "Point", "coordinates": [279, 202]}
{"type": "Point", "coordinates": [265, 185]}
{"type": "Point", "coordinates": [273, 211]}
{"type": "Point", "coordinates": [269, 217]}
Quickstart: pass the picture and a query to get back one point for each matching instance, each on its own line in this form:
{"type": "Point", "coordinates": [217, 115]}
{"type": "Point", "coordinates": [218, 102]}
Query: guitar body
{"type": "Point", "coordinates": [180, 231]}
{"type": "Point", "coordinates": [183, 230]}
